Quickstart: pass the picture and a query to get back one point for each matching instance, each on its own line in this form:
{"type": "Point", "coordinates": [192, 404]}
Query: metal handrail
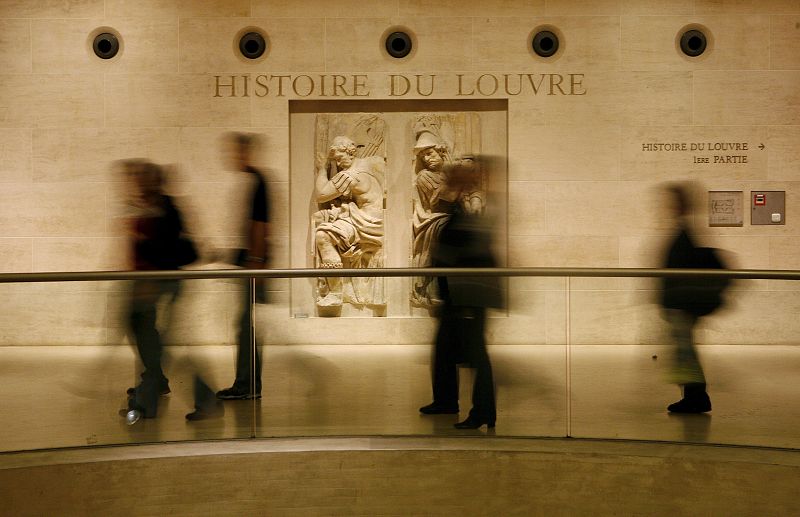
{"type": "Point", "coordinates": [195, 274]}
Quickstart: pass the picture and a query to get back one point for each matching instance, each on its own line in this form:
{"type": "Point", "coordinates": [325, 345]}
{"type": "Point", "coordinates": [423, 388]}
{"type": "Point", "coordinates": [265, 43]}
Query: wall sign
{"type": "Point", "coordinates": [725, 208]}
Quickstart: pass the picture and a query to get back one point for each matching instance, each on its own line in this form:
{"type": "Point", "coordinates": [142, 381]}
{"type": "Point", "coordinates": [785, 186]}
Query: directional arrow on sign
{"type": "Point", "coordinates": [761, 147]}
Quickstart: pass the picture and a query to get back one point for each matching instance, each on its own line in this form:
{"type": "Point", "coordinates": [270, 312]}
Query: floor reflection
{"type": "Point", "coordinates": [70, 396]}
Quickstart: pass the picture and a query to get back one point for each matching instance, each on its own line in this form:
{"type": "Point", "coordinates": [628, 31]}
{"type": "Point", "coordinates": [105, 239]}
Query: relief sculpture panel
{"type": "Point", "coordinates": [349, 192]}
{"type": "Point", "coordinates": [439, 140]}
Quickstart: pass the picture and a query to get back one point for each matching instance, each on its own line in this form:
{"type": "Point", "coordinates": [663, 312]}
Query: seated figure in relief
{"type": "Point", "coordinates": [349, 231]}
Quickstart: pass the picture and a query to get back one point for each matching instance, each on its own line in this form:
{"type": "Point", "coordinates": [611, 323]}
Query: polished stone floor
{"type": "Point", "coordinates": [70, 396]}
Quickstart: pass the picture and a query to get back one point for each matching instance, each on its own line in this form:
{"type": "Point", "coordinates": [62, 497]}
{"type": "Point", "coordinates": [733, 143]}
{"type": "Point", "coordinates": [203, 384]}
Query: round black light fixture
{"type": "Point", "coordinates": [545, 43]}
{"type": "Point", "coordinates": [693, 42]}
{"type": "Point", "coordinates": [252, 45]}
{"type": "Point", "coordinates": [105, 45]}
{"type": "Point", "coordinates": [398, 44]}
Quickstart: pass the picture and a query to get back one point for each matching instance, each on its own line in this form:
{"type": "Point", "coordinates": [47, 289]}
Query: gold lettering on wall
{"type": "Point", "coordinates": [399, 85]}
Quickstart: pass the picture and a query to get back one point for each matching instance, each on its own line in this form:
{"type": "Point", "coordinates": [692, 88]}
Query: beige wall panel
{"type": "Point", "coordinates": [206, 318]}
{"type": "Point", "coordinates": [269, 112]}
{"type": "Point", "coordinates": [52, 210]}
{"type": "Point", "coordinates": [536, 283]}
{"type": "Point", "coordinates": [437, 49]}
{"type": "Point", "coordinates": [200, 318]}
{"type": "Point", "coordinates": [582, 8]}
{"type": "Point", "coordinates": [199, 107]}
{"type": "Point", "coordinates": [738, 252]}
{"type": "Point", "coordinates": [279, 213]}
{"type": "Point", "coordinates": [375, 331]}
{"type": "Point", "coordinates": [652, 7]}
{"type": "Point", "coordinates": [739, 42]}
{"type": "Point", "coordinates": [209, 45]}
{"type": "Point", "coordinates": [614, 318]}
{"type": "Point", "coordinates": [784, 253]}
{"type": "Point", "coordinates": [143, 100]}
{"type": "Point", "coordinates": [642, 250]}
{"type": "Point", "coordinates": [589, 42]}
{"type": "Point", "coordinates": [784, 45]}
{"type": "Point", "coordinates": [77, 318]}
{"type": "Point", "coordinates": [15, 46]}
{"type": "Point", "coordinates": [556, 317]}
{"type": "Point", "coordinates": [784, 153]}
{"type": "Point", "coordinates": [597, 208]}
{"type": "Point", "coordinates": [159, 9]}
{"type": "Point", "coordinates": [51, 8]}
{"type": "Point", "coordinates": [568, 153]}
{"type": "Point", "coordinates": [41, 100]}
{"type": "Point", "coordinates": [742, 252]}
{"type": "Point", "coordinates": [527, 204]}
{"type": "Point", "coordinates": [202, 154]}
{"type": "Point", "coordinates": [746, 7]}
{"type": "Point", "coordinates": [97, 254]}
{"type": "Point", "coordinates": [526, 323]}
{"type": "Point", "coordinates": [16, 255]}
{"type": "Point", "coordinates": [62, 46]}
{"type": "Point", "coordinates": [757, 318]}
{"type": "Point", "coordinates": [619, 284]}
{"type": "Point", "coordinates": [87, 155]}
{"type": "Point", "coordinates": [746, 98]}
{"type": "Point", "coordinates": [563, 251]}
{"type": "Point", "coordinates": [632, 98]}
{"type": "Point", "coordinates": [521, 124]}
{"type": "Point", "coordinates": [638, 164]}
{"type": "Point", "coordinates": [326, 8]}
{"type": "Point", "coordinates": [446, 8]}
{"type": "Point", "coordinates": [15, 155]}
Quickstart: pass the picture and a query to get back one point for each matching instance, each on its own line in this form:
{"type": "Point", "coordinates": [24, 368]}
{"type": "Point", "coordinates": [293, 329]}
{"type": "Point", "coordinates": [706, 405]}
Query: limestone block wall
{"type": "Point", "coordinates": [581, 189]}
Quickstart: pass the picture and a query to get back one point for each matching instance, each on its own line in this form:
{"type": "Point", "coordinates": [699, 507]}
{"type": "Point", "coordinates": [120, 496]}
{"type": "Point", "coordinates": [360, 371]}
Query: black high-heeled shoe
{"type": "Point", "coordinates": [473, 422]}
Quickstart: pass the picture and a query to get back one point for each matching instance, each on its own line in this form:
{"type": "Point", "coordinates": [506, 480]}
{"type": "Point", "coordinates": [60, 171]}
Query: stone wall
{"type": "Point", "coordinates": [581, 184]}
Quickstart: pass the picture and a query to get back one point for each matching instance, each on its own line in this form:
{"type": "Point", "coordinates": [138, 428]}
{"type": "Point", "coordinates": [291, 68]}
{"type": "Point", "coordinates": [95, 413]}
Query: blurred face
{"type": "Point", "coordinates": [144, 186]}
{"type": "Point", "coordinates": [238, 156]}
{"type": "Point", "coordinates": [431, 158]}
{"type": "Point", "coordinates": [343, 159]}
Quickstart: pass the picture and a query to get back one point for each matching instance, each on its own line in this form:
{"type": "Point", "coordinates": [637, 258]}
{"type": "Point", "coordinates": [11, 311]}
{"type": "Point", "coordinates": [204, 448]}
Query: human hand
{"type": "Point", "coordinates": [343, 181]}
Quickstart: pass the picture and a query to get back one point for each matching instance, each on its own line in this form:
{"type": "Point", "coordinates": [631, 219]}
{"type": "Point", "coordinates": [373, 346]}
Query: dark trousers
{"type": "Point", "coordinates": [142, 319]}
{"type": "Point", "coordinates": [460, 339]}
{"type": "Point", "coordinates": [247, 350]}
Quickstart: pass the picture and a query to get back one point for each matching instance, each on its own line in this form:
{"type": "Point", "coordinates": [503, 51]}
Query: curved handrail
{"type": "Point", "coordinates": [193, 274]}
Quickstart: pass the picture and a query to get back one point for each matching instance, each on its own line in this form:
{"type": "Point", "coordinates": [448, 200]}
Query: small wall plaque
{"type": "Point", "coordinates": [725, 208]}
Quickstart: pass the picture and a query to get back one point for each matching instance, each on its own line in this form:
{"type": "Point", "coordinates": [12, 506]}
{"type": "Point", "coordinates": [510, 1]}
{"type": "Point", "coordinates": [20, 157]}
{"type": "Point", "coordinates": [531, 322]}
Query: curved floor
{"type": "Point", "coordinates": [402, 476]}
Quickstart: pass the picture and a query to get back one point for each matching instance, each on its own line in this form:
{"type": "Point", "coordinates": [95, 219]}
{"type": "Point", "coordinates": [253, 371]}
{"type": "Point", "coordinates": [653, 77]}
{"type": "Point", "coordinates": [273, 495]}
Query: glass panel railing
{"type": "Point", "coordinates": [631, 359]}
{"type": "Point", "coordinates": [580, 356]}
{"type": "Point", "coordinates": [72, 351]}
{"type": "Point", "coordinates": [360, 374]}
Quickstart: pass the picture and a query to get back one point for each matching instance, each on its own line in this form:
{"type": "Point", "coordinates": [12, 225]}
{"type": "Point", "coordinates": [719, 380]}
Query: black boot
{"type": "Point", "coordinates": [695, 400]}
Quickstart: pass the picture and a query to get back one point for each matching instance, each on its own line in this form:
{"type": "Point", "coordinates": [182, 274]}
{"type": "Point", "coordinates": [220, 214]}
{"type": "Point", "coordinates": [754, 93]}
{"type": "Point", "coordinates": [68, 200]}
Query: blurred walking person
{"type": "Point", "coordinates": [156, 229]}
{"type": "Point", "coordinates": [685, 300]}
{"type": "Point", "coordinates": [464, 241]}
{"type": "Point", "coordinates": [252, 253]}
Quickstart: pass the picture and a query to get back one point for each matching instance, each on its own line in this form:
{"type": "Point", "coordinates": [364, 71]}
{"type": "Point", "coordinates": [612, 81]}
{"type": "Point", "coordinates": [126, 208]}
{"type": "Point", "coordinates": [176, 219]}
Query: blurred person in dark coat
{"type": "Point", "coordinates": [464, 241]}
{"type": "Point", "coordinates": [685, 300]}
{"type": "Point", "coordinates": [156, 227]}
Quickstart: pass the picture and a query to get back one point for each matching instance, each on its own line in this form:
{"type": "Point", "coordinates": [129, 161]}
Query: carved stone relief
{"type": "Point", "coordinates": [349, 191]}
{"type": "Point", "coordinates": [440, 139]}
